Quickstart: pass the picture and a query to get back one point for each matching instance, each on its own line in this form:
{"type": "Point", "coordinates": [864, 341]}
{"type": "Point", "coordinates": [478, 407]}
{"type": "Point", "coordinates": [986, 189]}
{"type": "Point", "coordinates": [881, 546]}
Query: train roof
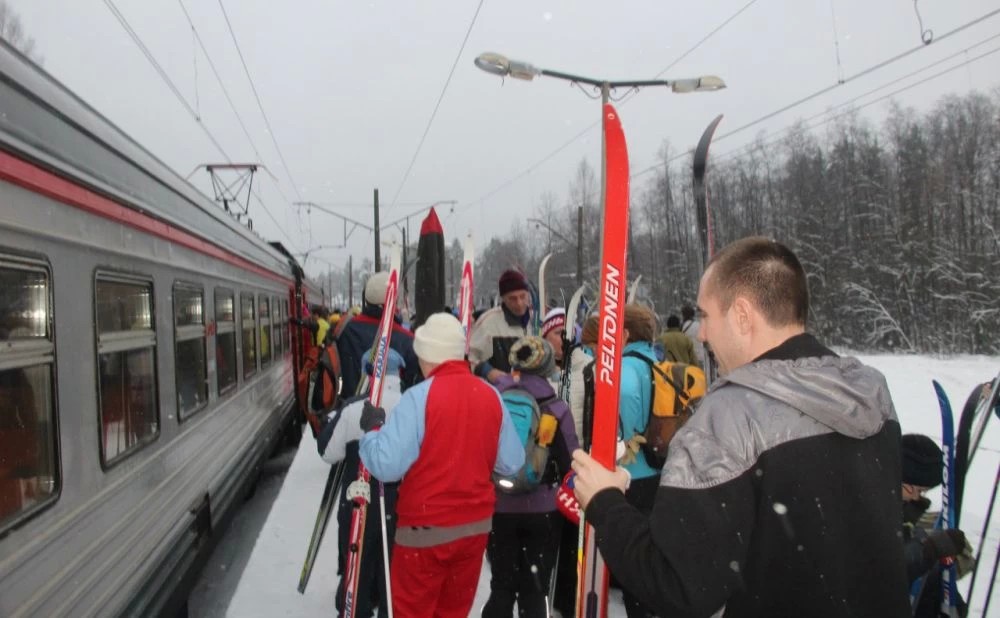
{"type": "Point", "coordinates": [45, 122]}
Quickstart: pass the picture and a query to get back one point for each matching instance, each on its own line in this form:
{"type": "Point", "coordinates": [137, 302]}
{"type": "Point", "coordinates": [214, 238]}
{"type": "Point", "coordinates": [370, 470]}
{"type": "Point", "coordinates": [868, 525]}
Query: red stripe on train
{"type": "Point", "coordinates": [43, 182]}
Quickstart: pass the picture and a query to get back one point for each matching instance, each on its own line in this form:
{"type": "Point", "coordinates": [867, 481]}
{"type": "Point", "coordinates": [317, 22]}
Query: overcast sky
{"type": "Point", "coordinates": [349, 88]}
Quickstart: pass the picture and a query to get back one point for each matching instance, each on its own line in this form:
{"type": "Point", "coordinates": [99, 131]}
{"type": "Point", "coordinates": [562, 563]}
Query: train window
{"type": "Point", "coordinates": [28, 472]}
{"type": "Point", "coordinates": [189, 349]}
{"type": "Point", "coordinates": [249, 328]}
{"type": "Point", "coordinates": [276, 326]}
{"type": "Point", "coordinates": [225, 340]}
{"type": "Point", "coordinates": [265, 330]}
{"type": "Point", "coordinates": [126, 357]}
{"type": "Point", "coordinates": [285, 326]}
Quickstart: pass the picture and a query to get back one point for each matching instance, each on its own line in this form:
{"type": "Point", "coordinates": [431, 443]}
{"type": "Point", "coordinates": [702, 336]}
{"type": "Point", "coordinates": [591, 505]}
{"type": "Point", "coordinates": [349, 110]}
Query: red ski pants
{"type": "Point", "coordinates": [438, 581]}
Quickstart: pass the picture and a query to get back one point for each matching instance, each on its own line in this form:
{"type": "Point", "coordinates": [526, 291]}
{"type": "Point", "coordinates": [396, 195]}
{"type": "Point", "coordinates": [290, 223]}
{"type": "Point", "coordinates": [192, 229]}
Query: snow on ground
{"type": "Point", "coordinates": [268, 585]}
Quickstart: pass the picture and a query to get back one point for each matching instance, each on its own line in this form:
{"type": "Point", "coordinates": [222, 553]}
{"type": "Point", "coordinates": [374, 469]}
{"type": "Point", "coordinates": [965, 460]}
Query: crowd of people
{"type": "Point", "coordinates": [790, 491]}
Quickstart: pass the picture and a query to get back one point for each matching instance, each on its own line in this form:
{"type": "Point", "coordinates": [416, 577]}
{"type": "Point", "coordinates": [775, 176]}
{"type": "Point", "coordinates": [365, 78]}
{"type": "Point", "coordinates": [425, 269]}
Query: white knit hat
{"type": "Point", "coordinates": [375, 288]}
{"type": "Point", "coordinates": [441, 338]}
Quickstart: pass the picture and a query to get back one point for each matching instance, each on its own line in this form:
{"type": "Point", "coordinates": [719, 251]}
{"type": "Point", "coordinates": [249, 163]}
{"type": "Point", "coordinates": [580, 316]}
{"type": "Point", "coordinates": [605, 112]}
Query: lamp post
{"type": "Point", "coordinates": [498, 64]}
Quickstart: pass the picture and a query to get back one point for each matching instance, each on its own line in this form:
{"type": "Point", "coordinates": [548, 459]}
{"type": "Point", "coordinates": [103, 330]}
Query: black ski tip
{"type": "Point", "coordinates": [701, 152]}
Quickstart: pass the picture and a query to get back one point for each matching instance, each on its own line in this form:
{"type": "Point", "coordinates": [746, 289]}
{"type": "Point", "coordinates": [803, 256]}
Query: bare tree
{"type": "Point", "coordinates": [12, 31]}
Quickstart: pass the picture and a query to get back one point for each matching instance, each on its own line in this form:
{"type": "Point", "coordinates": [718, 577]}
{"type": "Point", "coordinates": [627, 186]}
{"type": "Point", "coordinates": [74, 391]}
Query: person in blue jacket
{"type": "Point", "coordinates": [635, 396]}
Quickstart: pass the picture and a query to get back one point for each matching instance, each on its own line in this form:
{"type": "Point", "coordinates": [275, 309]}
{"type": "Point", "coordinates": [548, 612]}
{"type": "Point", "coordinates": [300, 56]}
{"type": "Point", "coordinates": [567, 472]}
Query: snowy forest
{"type": "Point", "coordinates": [896, 225]}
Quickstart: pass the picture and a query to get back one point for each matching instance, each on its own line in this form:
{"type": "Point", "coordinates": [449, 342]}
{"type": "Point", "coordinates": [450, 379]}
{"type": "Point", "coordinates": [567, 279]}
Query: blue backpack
{"type": "Point", "coordinates": [536, 428]}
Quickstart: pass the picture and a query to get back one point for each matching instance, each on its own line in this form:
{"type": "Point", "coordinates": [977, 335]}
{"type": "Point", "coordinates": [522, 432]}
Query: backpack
{"type": "Point", "coordinates": [327, 379]}
{"type": "Point", "coordinates": [537, 430]}
{"type": "Point", "coordinates": [677, 389]}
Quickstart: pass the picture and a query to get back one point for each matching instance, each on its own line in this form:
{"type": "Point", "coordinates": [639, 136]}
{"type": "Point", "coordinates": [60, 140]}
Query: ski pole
{"type": "Point", "coordinates": [993, 578]}
{"type": "Point", "coordinates": [385, 548]}
{"type": "Point", "coordinates": [982, 543]}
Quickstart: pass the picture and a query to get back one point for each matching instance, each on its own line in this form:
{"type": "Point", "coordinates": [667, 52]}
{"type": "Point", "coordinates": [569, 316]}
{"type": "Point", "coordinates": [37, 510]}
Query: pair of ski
{"type": "Point", "coordinates": [957, 457]}
{"type": "Point", "coordinates": [359, 491]}
{"type": "Point", "coordinates": [592, 599]}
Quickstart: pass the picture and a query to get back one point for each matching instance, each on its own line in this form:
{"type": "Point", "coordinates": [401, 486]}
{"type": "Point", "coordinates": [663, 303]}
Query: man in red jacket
{"type": "Point", "coordinates": [447, 435]}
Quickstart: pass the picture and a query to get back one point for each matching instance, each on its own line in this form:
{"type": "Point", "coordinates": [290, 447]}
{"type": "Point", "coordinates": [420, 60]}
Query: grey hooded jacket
{"type": "Point", "coordinates": [780, 497]}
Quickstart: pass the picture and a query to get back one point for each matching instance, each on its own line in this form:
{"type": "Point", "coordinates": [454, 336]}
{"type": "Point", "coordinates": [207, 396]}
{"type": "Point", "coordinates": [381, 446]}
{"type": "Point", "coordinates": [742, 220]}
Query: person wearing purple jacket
{"type": "Point", "coordinates": [524, 542]}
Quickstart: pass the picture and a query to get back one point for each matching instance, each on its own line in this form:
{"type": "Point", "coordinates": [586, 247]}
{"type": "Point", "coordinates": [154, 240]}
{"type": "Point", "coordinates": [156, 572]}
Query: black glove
{"type": "Point", "coordinates": [943, 544]}
{"type": "Point", "coordinates": [372, 417]}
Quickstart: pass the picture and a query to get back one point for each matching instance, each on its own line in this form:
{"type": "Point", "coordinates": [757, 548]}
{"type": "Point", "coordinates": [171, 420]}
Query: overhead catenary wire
{"type": "Point", "coordinates": [785, 108]}
{"type": "Point", "coordinates": [260, 105]}
{"type": "Point", "coordinates": [173, 88]}
{"type": "Point", "coordinates": [163, 74]}
{"type": "Point", "coordinates": [735, 153]}
{"type": "Point", "coordinates": [420, 145]}
{"type": "Point", "coordinates": [826, 89]}
{"type": "Point", "coordinates": [229, 99]}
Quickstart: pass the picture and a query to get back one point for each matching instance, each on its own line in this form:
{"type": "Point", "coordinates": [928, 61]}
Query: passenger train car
{"type": "Point", "coordinates": [146, 361]}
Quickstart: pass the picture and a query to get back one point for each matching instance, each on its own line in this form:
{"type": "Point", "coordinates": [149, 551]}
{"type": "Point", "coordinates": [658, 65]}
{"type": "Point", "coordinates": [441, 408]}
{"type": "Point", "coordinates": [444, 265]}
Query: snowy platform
{"type": "Point", "coordinates": [268, 585]}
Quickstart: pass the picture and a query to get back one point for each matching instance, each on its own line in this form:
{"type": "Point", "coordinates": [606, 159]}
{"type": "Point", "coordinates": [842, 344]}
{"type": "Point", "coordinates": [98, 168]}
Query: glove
{"type": "Point", "coordinates": [372, 417]}
{"type": "Point", "coordinates": [632, 448]}
{"type": "Point", "coordinates": [941, 544]}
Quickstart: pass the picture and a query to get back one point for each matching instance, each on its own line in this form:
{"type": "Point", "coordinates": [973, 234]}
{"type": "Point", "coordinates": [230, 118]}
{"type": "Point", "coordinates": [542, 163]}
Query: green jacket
{"type": "Point", "coordinates": [677, 347]}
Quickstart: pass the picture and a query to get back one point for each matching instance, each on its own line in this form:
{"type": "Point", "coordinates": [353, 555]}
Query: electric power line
{"type": "Point", "coordinates": [752, 146]}
{"type": "Point", "coordinates": [437, 105]}
{"type": "Point", "coordinates": [783, 109]}
{"type": "Point", "coordinates": [735, 152]}
{"type": "Point", "coordinates": [870, 69]}
{"type": "Point", "coordinates": [229, 99]}
{"type": "Point", "coordinates": [824, 90]}
{"type": "Point", "coordinates": [270, 131]}
{"type": "Point", "coordinates": [166, 78]}
{"type": "Point", "coordinates": [218, 78]}
{"type": "Point", "coordinates": [162, 73]}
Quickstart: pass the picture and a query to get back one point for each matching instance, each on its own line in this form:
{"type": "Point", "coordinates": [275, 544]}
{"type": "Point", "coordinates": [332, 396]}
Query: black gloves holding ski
{"type": "Point", "coordinates": [943, 544]}
{"type": "Point", "coordinates": [372, 417]}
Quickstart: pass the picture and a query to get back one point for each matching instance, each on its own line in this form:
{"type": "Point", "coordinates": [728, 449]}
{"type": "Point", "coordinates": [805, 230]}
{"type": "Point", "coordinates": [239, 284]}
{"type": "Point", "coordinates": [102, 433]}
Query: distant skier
{"type": "Point", "coordinates": [447, 436]}
{"type": "Point", "coordinates": [924, 546]}
{"type": "Point", "coordinates": [553, 329]}
{"type": "Point", "coordinates": [356, 335]}
{"type": "Point", "coordinates": [690, 327]}
{"type": "Point", "coordinates": [677, 346]}
{"type": "Point", "coordinates": [498, 328]}
{"type": "Point", "coordinates": [780, 496]}
{"type": "Point", "coordinates": [338, 441]}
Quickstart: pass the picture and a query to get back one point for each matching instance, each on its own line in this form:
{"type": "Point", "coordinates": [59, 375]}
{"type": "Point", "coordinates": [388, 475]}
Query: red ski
{"type": "Point", "coordinates": [360, 490]}
{"type": "Point", "coordinates": [465, 290]}
{"type": "Point", "coordinates": [592, 600]}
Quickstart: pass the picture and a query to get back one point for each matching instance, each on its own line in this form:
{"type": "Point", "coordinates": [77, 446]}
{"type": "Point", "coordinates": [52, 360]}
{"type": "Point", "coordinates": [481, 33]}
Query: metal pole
{"type": "Point", "coordinates": [579, 246]}
{"type": "Point", "coordinates": [406, 278]}
{"type": "Point", "coordinates": [605, 97]}
{"type": "Point", "coordinates": [350, 281]}
{"type": "Point", "coordinates": [378, 243]}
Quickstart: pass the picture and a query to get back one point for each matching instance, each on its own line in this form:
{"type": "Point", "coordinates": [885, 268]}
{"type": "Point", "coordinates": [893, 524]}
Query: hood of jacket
{"type": "Point", "coordinates": [841, 393]}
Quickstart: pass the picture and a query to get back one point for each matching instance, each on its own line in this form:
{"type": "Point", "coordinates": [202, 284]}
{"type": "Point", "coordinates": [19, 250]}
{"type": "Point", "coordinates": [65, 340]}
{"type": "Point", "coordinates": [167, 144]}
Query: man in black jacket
{"type": "Point", "coordinates": [355, 337]}
{"type": "Point", "coordinates": [780, 497]}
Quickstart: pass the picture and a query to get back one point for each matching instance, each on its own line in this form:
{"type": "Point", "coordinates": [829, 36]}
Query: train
{"type": "Point", "coordinates": [147, 361]}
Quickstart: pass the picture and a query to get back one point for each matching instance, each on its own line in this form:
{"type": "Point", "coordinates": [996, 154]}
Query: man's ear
{"type": "Point", "coordinates": [743, 312]}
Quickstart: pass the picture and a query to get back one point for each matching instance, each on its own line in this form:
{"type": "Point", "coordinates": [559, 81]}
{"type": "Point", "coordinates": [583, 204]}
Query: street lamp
{"type": "Point", "coordinates": [498, 64]}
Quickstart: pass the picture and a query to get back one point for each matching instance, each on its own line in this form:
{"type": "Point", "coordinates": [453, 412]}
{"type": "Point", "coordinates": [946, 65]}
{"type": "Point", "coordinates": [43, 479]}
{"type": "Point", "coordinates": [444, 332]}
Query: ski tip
{"type": "Point", "coordinates": [431, 224]}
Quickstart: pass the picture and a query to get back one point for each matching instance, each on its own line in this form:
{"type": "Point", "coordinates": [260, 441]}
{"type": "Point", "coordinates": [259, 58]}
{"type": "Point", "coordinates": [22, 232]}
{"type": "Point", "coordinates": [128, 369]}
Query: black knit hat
{"type": "Point", "coordinates": [512, 280]}
{"type": "Point", "coordinates": [923, 461]}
